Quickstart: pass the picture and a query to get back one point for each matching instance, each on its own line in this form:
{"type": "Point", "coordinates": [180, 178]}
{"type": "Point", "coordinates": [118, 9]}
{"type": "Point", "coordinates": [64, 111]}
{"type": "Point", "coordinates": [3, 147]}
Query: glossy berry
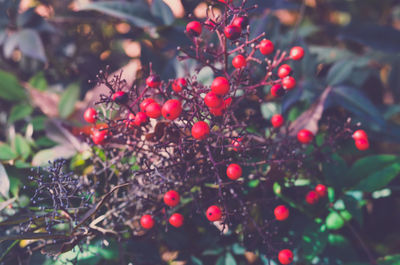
{"type": "Point", "coordinates": [225, 1]}
{"type": "Point", "coordinates": [288, 83]}
{"type": "Point", "coordinates": [200, 130]}
{"type": "Point", "coordinates": [99, 136]}
{"type": "Point", "coordinates": [171, 109]}
{"type": "Point", "coordinates": [360, 134]}
{"type": "Point", "coordinates": [227, 102]}
{"type": "Point", "coordinates": [153, 81]}
{"type": "Point", "coordinates": [241, 22]}
{"type": "Point", "coordinates": [171, 198]}
{"type": "Point", "coordinates": [277, 120]}
{"type": "Point", "coordinates": [214, 213]}
{"type": "Point", "coordinates": [179, 84]}
{"type": "Point", "coordinates": [140, 118]}
{"type": "Point", "coordinates": [220, 86]}
{"type": "Point", "coordinates": [305, 136]}
{"type": "Point", "coordinates": [153, 110]}
{"type": "Point", "coordinates": [90, 115]}
{"type": "Point", "coordinates": [284, 70]}
{"type": "Point", "coordinates": [217, 111]}
{"type": "Point", "coordinates": [281, 213]}
{"type": "Point", "coordinates": [213, 100]}
{"type": "Point", "coordinates": [266, 47]}
{"type": "Point", "coordinates": [297, 53]}
{"type": "Point", "coordinates": [277, 90]}
{"type": "Point", "coordinates": [193, 28]}
{"type": "Point", "coordinates": [176, 220]}
{"type": "Point", "coordinates": [120, 97]}
{"type": "Point", "coordinates": [236, 143]}
{"type": "Point", "coordinates": [312, 197]}
{"type": "Point", "coordinates": [321, 190]}
{"type": "Point", "coordinates": [232, 32]}
{"type": "Point", "coordinates": [285, 256]}
{"type": "Point", "coordinates": [239, 61]}
{"type": "Point", "coordinates": [145, 103]}
{"type": "Point", "coordinates": [234, 171]}
{"type": "Point", "coordinates": [362, 144]}
{"type": "Point", "coordinates": [147, 221]}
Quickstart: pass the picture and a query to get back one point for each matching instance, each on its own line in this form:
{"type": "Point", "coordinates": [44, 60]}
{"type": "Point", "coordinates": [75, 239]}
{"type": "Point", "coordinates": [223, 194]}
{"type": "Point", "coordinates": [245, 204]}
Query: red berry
{"type": "Point", "coordinates": [217, 111]}
{"type": "Point", "coordinates": [241, 22]}
{"type": "Point", "coordinates": [193, 28]}
{"type": "Point", "coordinates": [90, 115]}
{"type": "Point", "coordinates": [297, 53]}
{"type": "Point", "coordinates": [362, 144]}
{"type": "Point", "coordinates": [321, 190]}
{"type": "Point", "coordinates": [130, 120]}
{"type": "Point", "coordinates": [171, 109]}
{"type": "Point", "coordinates": [225, 1]}
{"type": "Point", "coordinates": [176, 220]}
{"type": "Point", "coordinates": [305, 136]}
{"type": "Point", "coordinates": [140, 118]}
{"type": "Point", "coordinates": [285, 256]}
{"type": "Point", "coordinates": [212, 100]}
{"type": "Point", "coordinates": [232, 32]}
{"type": "Point", "coordinates": [99, 136]}
{"type": "Point", "coordinates": [277, 90]}
{"type": "Point", "coordinates": [153, 81]}
{"type": "Point", "coordinates": [145, 103]}
{"type": "Point", "coordinates": [227, 102]}
{"type": "Point", "coordinates": [284, 70]}
{"type": "Point", "coordinates": [312, 197]}
{"type": "Point", "coordinates": [360, 134]}
{"type": "Point", "coordinates": [209, 24]}
{"type": "Point", "coordinates": [120, 97]}
{"type": "Point", "coordinates": [153, 110]}
{"type": "Point", "coordinates": [239, 61]}
{"type": "Point", "coordinates": [179, 84]}
{"type": "Point", "coordinates": [147, 221]}
{"type": "Point", "coordinates": [277, 120]}
{"type": "Point", "coordinates": [214, 213]}
{"type": "Point", "coordinates": [288, 83]}
{"type": "Point", "coordinates": [281, 213]}
{"type": "Point", "coordinates": [236, 143]}
{"type": "Point", "coordinates": [266, 47]}
{"type": "Point", "coordinates": [171, 198]}
{"type": "Point", "coordinates": [220, 86]}
{"type": "Point", "coordinates": [234, 171]}
{"type": "Point", "coordinates": [200, 130]}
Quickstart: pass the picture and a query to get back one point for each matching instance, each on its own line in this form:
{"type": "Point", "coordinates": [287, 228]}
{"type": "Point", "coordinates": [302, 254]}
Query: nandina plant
{"type": "Point", "coordinates": [165, 153]}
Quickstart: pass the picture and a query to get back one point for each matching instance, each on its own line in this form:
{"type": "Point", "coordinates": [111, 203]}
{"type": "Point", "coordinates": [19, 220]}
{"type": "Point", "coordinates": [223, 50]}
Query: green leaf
{"type": "Point", "coordinates": [30, 44]}
{"type": "Point", "coordinates": [195, 261]}
{"type": "Point", "coordinates": [68, 100]}
{"type": "Point", "coordinates": [162, 11]}
{"type": "Point", "coordinates": [353, 207]}
{"type": "Point", "coordinates": [19, 112]}
{"type": "Point", "coordinates": [135, 12]}
{"type": "Point", "coordinates": [339, 72]}
{"type": "Point", "coordinates": [334, 221]}
{"type": "Point", "coordinates": [21, 146]}
{"type": "Point", "coordinates": [238, 249]}
{"type": "Point", "coordinates": [6, 153]}
{"type": "Point", "coordinates": [5, 182]}
{"type": "Point", "coordinates": [227, 259]}
{"type": "Point", "coordinates": [389, 260]}
{"type": "Point", "coordinates": [38, 81]}
{"type": "Point", "coordinates": [315, 238]}
{"type": "Point", "coordinates": [378, 180]}
{"type": "Point", "coordinates": [10, 89]}
{"type": "Point", "coordinates": [335, 171]}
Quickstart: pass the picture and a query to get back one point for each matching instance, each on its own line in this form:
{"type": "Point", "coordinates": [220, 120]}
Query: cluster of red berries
{"type": "Point", "coordinates": [313, 196]}
{"type": "Point", "coordinates": [361, 140]}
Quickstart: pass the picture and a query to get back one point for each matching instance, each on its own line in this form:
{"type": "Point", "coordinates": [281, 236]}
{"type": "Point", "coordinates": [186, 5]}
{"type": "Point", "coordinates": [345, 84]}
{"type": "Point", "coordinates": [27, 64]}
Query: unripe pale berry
{"type": "Point", "coordinates": [214, 213]}
{"type": "Point", "coordinates": [288, 82]}
{"type": "Point", "coordinates": [90, 115]}
{"type": "Point", "coordinates": [312, 197]}
{"type": "Point", "coordinates": [153, 110]}
{"type": "Point", "coordinates": [285, 256]}
{"type": "Point", "coordinates": [360, 134]}
{"type": "Point", "coordinates": [234, 171]}
{"type": "Point", "coordinates": [220, 85]}
{"type": "Point", "coordinates": [213, 100]}
{"type": "Point", "coordinates": [120, 97]}
{"type": "Point", "coordinates": [194, 28]}
{"type": "Point", "coordinates": [171, 109]}
{"type": "Point", "coordinates": [176, 220]}
{"type": "Point", "coordinates": [241, 22]}
{"type": "Point", "coordinates": [297, 53]}
{"type": "Point", "coordinates": [171, 198]}
{"type": "Point", "coordinates": [153, 81]}
{"type": "Point", "coordinates": [266, 47]}
{"type": "Point", "coordinates": [284, 70]}
{"type": "Point", "coordinates": [362, 144]}
{"type": "Point", "coordinates": [179, 84]}
{"type": "Point", "coordinates": [305, 136]}
{"type": "Point", "coordinates": [321, 190]}
{"type": "Point", "coordinates": [200, 130]}
{"type": "Point", "coordinates": [277, 120]}
{"type": "Point", "coordinates": [281, 213]}
{"type": "Point", "coordinates": [145, 103]}
{"type": "Point", "coordinates": [147, 221]}
{"type": "Point", "coordinates": [239, 61]}
{"type": "Point", "coordinates": [277, 90]}
{"type": "Point", "coordinates": [232, 32]}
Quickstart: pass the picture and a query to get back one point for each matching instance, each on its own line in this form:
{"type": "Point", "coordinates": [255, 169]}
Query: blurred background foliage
{"type": "Point", "coordinates": [49, 49]}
